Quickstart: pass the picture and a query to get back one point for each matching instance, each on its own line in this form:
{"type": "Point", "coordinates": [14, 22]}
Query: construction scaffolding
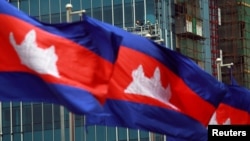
{"type": "Point", "coordinates": [214, 17]}
{"type": "Point", "coordinates": [188, 28]}
{"type": "Point", "coordinates": [234, 39]}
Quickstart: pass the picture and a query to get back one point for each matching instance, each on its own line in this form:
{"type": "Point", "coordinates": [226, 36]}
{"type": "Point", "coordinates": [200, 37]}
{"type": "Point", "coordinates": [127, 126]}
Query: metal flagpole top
{"type": "Point", "coordinates": [69, 12]}
{"type": "Point", "coordinates": [69, 6]}
{"type": "Point", "coordinates": [220, 64]}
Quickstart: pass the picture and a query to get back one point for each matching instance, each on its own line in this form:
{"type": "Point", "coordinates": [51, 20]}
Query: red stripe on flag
{"type": "Point", "coordinates": [235, 115]}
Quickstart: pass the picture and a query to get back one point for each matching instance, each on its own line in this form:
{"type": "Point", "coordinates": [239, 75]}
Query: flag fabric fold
{"type": "Point", "coordinates": [62, 63]}
{"type": "Point", "coordinates": [144, 85]}
{"type": "Point", "coordinates": [234, 108]}
{"type": "Point", "coordinates": [156, 89]}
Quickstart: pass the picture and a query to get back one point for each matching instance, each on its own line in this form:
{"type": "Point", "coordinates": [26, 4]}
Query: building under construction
{"type": "Point", "coordinates": [200, 34]}
{"type": "Point", "coordinates": [189, 29]}
{"type": "Point", "coordinates": [234, 39]}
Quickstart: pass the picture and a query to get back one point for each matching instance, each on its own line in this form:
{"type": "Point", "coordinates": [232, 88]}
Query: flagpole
{"type": "Point", "coordinates": [21, 121]}
{"type": "Point", "coordinates": [69, 14]}
{"type": "Point", "coordinates": [220, 64]}
{"type": "Point", "coordinates": [18, 4]}
{"type": "Point", "coordinates": [11, 124]}
{"type": "Point", "coordinates": [21, 104]}
{"type": "Point", "coordinates": [69, 19]}
{"type": "Point", "coordinates": [62, 123]}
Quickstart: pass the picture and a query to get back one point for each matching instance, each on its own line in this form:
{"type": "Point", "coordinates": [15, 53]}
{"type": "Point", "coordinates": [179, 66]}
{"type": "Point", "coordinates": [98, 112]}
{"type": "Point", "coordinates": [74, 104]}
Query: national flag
{"type": "Point", "coordinates": [68, 64]}
{"type": "Point", "coordinates": [234, 108]}
{"type": "Point", "coordinates": [156, 89]}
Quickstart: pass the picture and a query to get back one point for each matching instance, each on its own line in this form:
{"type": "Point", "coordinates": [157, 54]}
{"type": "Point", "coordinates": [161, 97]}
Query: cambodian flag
{"type": "Point", "coordinates": [234, 109]}
{"type": "Point", "coordinates": [68, 64]}
{"type": "Point", "coordinates": [156, 89]}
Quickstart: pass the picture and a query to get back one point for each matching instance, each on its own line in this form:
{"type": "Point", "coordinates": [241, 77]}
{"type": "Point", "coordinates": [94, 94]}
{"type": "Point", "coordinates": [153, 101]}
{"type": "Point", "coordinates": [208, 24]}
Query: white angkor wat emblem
{"type": "Point", "coordinates": [41, 60]}
{"type": "Point", "coordinates": [151, 87]}
{"type": "Point", "coordinates": [213, 120]}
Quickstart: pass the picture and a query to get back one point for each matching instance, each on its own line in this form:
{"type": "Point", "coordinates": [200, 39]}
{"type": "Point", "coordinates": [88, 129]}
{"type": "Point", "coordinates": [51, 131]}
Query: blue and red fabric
{"type": "Point", "coordinates": [135, 98]}
{"type": "Point", "coordinates": [68, 64]}
{"type": "Point", "coordinates": [235, 107]}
